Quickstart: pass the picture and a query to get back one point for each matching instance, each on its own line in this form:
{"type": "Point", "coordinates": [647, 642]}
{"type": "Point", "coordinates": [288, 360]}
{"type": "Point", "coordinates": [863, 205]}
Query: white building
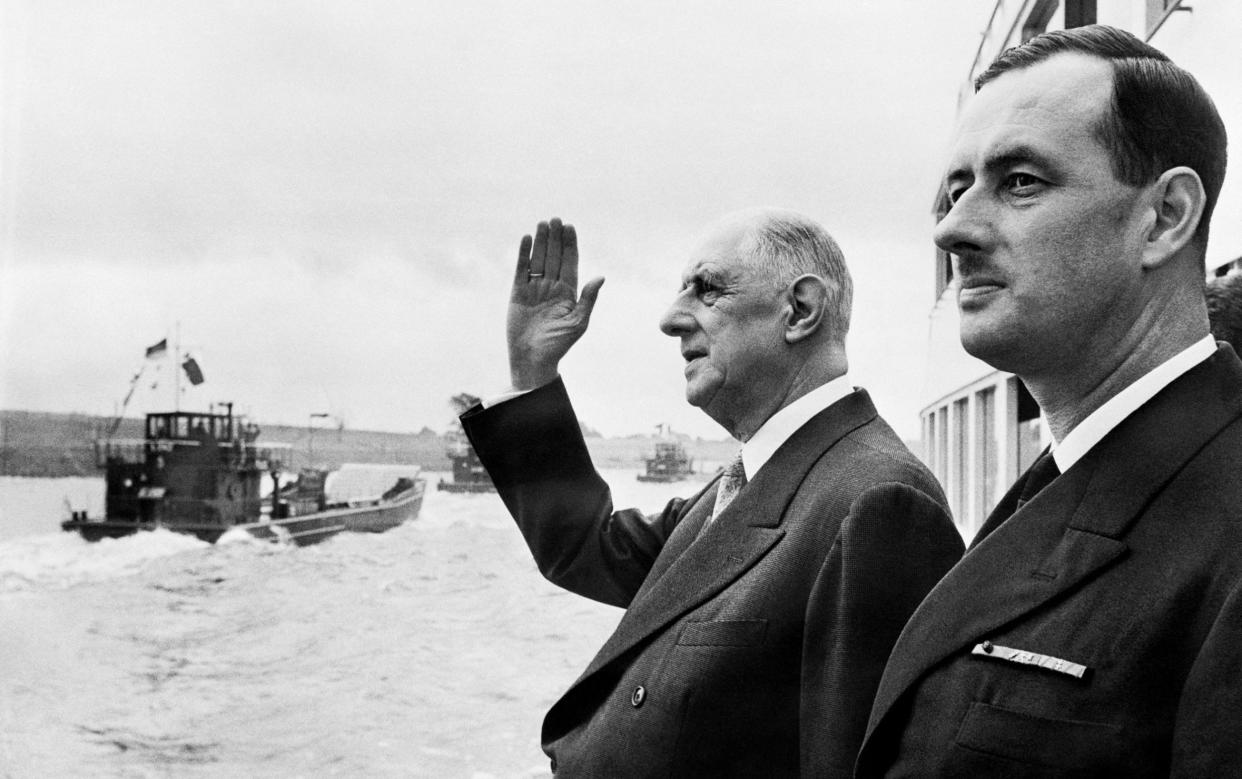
{"type": "Point", "coordinates": [981, 429]}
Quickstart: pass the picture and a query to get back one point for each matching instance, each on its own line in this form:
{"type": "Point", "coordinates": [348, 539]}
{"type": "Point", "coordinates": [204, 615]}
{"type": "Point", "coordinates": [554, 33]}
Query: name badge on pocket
{"type": "Point", "coordinates": [1024, 657]}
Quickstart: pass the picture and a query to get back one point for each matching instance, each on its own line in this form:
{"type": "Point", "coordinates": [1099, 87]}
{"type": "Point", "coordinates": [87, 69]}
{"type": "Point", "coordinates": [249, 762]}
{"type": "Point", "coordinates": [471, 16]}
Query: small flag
{"type": "Point", "coordinates": [192, 371]}
{"type": "Point", "coordinates": [157, 350]}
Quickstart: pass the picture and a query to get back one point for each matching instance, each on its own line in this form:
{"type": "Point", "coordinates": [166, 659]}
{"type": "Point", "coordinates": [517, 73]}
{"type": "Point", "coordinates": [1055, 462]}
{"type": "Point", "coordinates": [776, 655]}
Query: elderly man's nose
{"type": "Point", "coordinates": [675, 320]}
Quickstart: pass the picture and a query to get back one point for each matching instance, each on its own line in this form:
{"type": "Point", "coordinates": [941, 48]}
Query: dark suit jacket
{"type": "Point", "coordinates": [757, 648]}
{"type": "Point", "coordinates": [1130, 564]}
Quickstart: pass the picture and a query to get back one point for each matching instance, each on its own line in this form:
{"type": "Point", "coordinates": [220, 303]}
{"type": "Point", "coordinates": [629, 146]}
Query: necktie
{"type": "Point", "coordinates": [731, 482]}
{"type": "Point", "coordinates": [1041, 475]}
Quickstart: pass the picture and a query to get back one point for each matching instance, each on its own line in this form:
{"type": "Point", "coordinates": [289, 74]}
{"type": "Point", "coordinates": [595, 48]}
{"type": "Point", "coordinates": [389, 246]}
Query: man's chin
{"type": "Point", "coordinates": [988, 345]}
{"type": "Point", "coordinates": [697, 395]}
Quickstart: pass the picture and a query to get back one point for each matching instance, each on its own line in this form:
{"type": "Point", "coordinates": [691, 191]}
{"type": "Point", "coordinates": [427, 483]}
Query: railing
{"type": "Point", "coordinates": [1013, 21]}
{"type": "Point", "coordinates": [267, 457]}
{"type": "Point", "coordinates": [993, 40]}
{"type": "Point", "coordinates": [132, 451]}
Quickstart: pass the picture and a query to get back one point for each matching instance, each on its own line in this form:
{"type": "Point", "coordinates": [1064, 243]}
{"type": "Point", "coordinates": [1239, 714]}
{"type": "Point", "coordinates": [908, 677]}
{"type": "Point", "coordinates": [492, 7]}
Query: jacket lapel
{"type": "Point", "coordinates": [1027, 561]}
{"type": "Point", "coordinates": [1005, 508]}
{"type": "Point", "coordinates": [1071, 529]}
{"type": "Point", "coordinates": [689, 572]}
{"type": "Point", "coordinates": [683, 535]}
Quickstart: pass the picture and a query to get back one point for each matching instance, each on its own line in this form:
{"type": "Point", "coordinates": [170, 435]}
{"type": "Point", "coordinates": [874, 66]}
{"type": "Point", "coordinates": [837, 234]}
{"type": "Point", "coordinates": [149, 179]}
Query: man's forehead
{"type": "Point", "coordinates": [1065, 95]}
{"type": "Point", "coordinates": [711, 265]}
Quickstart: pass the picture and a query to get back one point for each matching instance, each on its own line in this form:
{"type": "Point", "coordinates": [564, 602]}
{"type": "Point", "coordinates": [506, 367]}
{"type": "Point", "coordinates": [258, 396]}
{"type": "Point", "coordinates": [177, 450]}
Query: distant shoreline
{"type": "Point", "coordinates": [49, 445]}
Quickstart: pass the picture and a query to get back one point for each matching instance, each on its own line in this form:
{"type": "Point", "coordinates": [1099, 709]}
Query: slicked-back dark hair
{"type": "Point", "coordinates": [1224, 304]}
{"type": "Point", "coordinates": [1160, 116]}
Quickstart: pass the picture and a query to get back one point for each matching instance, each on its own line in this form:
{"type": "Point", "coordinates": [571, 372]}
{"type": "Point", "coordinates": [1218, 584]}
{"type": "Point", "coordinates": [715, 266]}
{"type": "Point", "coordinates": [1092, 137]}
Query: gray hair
{"type": "Point", "coordinates": [785, 245]}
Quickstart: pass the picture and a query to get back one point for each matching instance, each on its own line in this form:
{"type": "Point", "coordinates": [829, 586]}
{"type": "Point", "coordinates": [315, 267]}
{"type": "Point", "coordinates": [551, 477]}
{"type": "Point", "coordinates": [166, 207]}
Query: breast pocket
{"type": "Point", "coordinates": [734, 632]}
{"type": "Point", "coordinates": [1067, 747]}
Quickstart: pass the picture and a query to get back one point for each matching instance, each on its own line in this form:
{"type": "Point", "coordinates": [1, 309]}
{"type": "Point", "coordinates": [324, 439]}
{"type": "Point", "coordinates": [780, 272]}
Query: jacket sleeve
{"type": "Point", "coordinates": [532, 447]}
{"type": "Point", "coordinates": [1209, 716]}
{"type": "Point", "coordinates": [894, 545]}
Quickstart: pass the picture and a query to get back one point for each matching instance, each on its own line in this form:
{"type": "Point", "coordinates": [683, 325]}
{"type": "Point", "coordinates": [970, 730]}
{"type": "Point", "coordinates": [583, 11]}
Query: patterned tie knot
{"type": "Point", "coordinates": [731, 482]}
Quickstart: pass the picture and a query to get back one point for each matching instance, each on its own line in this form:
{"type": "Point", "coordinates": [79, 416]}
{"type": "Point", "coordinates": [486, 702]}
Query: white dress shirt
{"type": "Point", "coordinates": [773, 433]}
{"type": "Point", "coordinates": [1100, 422]}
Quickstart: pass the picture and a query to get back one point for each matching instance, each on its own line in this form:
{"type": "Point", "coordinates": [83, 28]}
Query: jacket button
{"type": "Point", "coordinates": [640, 695]}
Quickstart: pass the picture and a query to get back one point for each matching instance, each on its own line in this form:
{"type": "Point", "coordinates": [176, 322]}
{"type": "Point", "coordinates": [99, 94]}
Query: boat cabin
{"type": "Point", "coordinates": [191, 470]}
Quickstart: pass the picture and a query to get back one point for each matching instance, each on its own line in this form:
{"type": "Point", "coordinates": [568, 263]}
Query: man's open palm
{"type": "Point", "coordinates": [546, 315]}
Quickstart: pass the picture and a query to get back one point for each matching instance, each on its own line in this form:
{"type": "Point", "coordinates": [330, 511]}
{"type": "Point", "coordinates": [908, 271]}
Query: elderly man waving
{"type": "Point", "coordinates": [760, 611]}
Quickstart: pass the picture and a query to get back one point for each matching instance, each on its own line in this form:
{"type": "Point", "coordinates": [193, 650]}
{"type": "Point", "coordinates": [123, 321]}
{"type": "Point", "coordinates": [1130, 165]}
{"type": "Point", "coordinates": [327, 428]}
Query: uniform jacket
{"type": "Point", "coordinates": [1129, 565]}
{"type": "Point", "coordinates": [755, 649]}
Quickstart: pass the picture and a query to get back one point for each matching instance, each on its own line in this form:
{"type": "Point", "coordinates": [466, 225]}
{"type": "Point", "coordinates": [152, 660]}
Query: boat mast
{"type": "Point", "coordinates": [176, 368]}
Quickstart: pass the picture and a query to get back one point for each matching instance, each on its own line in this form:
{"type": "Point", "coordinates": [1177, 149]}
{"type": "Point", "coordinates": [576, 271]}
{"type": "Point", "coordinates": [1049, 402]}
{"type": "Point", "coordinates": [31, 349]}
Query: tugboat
{"type": "Point", "coordinates": [670, 463]}
{"type": "Point", "coordinates": [469, 475]}
{"type": "Point", "coordinates": [200, 474]}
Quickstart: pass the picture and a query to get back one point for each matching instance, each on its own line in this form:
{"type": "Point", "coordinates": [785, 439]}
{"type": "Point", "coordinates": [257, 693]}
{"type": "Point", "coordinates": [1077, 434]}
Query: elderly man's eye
{"type": "Point", "coordinates": [706, 290]}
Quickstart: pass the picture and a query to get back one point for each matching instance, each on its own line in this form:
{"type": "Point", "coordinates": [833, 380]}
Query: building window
{"type": "Point", "coordinates": [986, 453]}
{"type": "Point", "coordinates": [929, 440]}
{"type": "Point", "coordinates": [1079, 13]}
{"type": "Point", "coordinates": [959, 476]}
{"type": "Point", "coordinates": [942, 445]}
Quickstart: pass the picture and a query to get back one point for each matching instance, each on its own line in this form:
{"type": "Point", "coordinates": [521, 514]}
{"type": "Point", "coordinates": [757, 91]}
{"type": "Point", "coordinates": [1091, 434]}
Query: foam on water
{"type": "Point", "coordinates": [59, 560]}
{"type": "Point", "coordinates": [431, 650]}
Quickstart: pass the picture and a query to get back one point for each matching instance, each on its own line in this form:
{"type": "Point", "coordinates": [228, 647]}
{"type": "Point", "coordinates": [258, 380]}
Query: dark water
{"type": "Point", "coordinates": [432, 650]}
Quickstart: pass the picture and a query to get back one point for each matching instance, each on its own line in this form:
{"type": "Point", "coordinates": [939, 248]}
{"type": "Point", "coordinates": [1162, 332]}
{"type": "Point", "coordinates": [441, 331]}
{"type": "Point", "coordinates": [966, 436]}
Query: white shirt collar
{"type": "Point", "coordinates": [785, 422]}
{"type": "Point", "coordinates": [1100, 422]}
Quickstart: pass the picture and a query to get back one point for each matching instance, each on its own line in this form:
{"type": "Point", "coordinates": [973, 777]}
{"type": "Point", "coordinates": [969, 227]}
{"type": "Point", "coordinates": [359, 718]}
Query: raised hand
{"type": "Point", "coordinates": [546, 314]}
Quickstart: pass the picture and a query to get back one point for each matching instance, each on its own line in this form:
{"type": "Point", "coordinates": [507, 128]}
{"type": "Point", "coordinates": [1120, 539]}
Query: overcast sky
{"type": "Point", "coordinates": [328, 196]}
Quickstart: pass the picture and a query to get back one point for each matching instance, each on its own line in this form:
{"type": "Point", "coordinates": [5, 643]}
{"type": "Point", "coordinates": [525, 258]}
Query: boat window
{"type": "Point", "coordinates": [157, 427]}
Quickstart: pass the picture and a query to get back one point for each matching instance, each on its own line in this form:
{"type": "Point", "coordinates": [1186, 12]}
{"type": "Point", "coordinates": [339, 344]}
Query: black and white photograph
{"type": "Point", "coordinates": [507, 390]}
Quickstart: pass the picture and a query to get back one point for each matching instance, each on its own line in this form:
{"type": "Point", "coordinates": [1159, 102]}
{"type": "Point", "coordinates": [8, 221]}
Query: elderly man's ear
{"type": "Point", "coordinates": [806, 303]}
{"type": "Point", "coordinates": [1177, 200]}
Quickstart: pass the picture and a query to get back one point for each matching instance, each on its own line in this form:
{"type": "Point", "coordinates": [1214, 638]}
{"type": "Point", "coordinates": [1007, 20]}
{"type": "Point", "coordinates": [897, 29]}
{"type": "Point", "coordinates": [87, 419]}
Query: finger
{"type": "Point", "coordinates": [520, 274]}
{"type": "Point", "coordinates": [586, 303]}
{"type": "Point", "coordinates": [552, 266]}
{"type": "Point", "coordinates": [539, 252]}
{"type": "Point", "coordinates": [569, 257]}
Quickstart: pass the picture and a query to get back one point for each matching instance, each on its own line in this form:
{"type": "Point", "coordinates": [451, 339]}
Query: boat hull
{"type": "Point", "coordinates": [466, 486]}
{"type": "Point", "coordinates": [300, 530]}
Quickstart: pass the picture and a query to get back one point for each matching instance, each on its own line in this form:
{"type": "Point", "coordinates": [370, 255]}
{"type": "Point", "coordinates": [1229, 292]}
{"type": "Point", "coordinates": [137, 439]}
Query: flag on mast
{"type": "Point", "coordinates": [157, 350]}
{"type": "Point", "coordinates": [192, 371]}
